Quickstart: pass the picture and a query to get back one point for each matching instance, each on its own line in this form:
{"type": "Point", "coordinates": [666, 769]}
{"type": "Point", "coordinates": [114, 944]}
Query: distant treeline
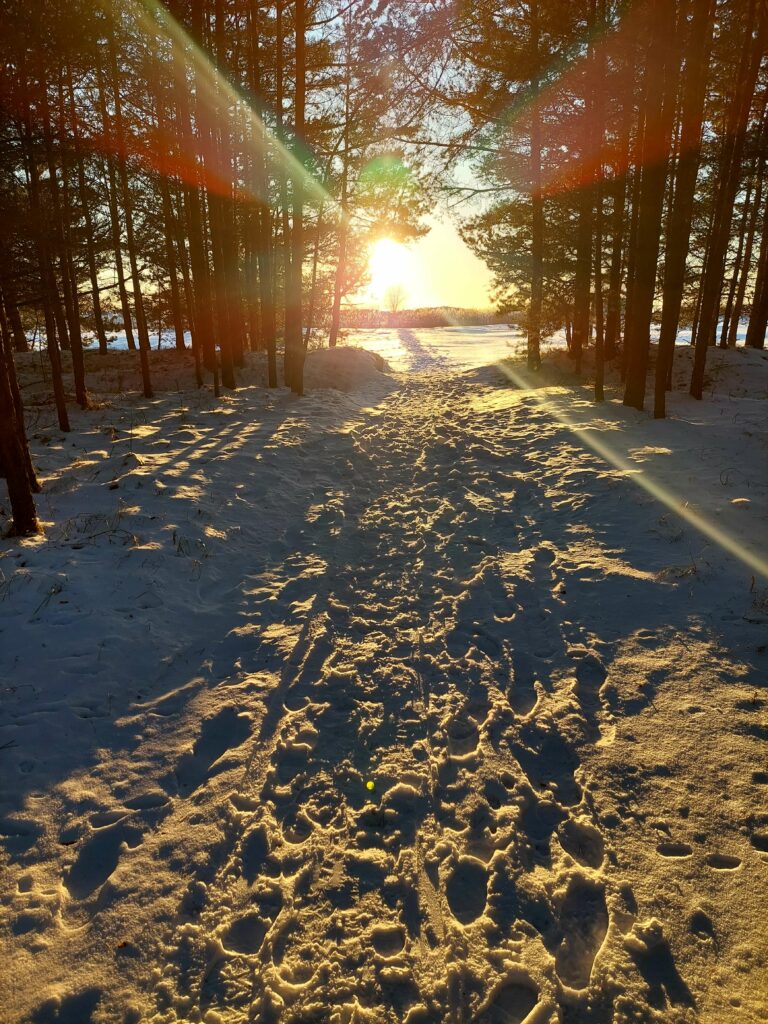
{"type": "Point", "coordinates": [430, 316]}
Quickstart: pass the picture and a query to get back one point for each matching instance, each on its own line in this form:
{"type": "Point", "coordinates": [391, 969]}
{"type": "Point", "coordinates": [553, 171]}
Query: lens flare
{"type": "Point", "coordinates": [753, 560]}
{"type": "Point", "coordinates": [189, 157]}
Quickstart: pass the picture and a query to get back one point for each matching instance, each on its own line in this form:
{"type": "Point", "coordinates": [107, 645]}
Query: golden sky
{"type": "Point", "coordinates": [437, 270]}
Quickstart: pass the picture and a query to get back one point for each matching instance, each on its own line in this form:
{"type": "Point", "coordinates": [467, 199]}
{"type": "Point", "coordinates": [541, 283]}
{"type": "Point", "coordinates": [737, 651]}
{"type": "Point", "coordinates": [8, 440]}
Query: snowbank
{"type": "Point", "coordinates": [343, 368]}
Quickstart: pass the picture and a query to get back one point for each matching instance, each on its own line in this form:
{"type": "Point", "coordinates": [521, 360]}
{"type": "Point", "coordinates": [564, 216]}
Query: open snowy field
{"type": "Point", "coordinates": [430, 697]}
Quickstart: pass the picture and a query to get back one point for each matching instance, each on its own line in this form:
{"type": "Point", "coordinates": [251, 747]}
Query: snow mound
{"type": "Point", "coordinates": [344, 369]}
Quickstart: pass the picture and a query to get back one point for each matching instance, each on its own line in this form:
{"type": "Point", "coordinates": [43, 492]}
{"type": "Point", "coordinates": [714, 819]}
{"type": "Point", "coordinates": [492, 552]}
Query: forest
{"type": "Point", "coordinates": [366, 657]}
{"type": "Point", "coordinates": [220, 168]}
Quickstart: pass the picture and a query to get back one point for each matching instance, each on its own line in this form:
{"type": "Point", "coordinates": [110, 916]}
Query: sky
{"type": "Point", "coordinates": [437, 270]}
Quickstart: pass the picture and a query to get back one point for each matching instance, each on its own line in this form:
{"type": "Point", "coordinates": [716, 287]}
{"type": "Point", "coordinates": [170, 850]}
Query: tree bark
{"type": "Point", "coordinates": [122, 168]}
{"type": "Point", "coordinates": [101, 334]}
{"type": "Point", "coordinates": [14, 452]}
{"type": "Point", "coordinates": [62, 218]}
{"type": "Point", "coordinates": [294, 348]}
{"type": "Point", "coordinates": [746, 269]}
{"type": "Point", "coordinates": [681, 215]}
{"type": "Point", "coordinates": [47, 279]}
{"type": "Point", "coordinates": [537, 201]}
{"type": "Point", "coordinates": [758, 320]}
{"type": "Point", "coordinates": [659, 104]}
{"type": "Point", "coordinates": [733, 147]}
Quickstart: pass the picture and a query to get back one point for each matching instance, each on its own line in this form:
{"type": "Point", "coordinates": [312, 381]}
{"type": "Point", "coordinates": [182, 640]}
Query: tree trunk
{"type": "Point", "coordinates": [533, 355]}
{"type": "Point", "coordinates": [758, 320]}
{"type": "Point", "coordinates": [202, 308]}
{"type": "Point", "coordinates": [659, 115]}
{"type": "Point", "coordinates": [733, 147]}
{"type": "Point", "coordinates": [14, 451]}
{"type": "Point", "coordinates": [20, 343]}
{"type": "Point", "coordinates": [114, 212]}
{"type": "Point", "coordinates": [313, 284]}
{"type": "Point", "coordinates": [618, 223]}
{"type": "Point", "coordinates": [746, 269]}
{"type": "Point", "coordinates": [598, 138]}
{"type": "Point", "coordinates": [101, 334]}
{"type": "Point", "coordinates": [61, 220]}
{"type": "Point", "coordinates": [294, 349]}
{"type": "Point", "coordinates": [170, 256]}
{"type": "Point", "coordinates": [262, 220]}
{"type": "Point", "coordinates": [679, 230]}
{"type": "Point", "coordinates": [138, 302]}
{"type": "Point", "coordinates": [47, 280]}
{"type": "Point", "coordinates": [585, 228]}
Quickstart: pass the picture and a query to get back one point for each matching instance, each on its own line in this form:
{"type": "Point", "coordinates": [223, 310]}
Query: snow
{"type": "Point", "coordinates": [537, 627]}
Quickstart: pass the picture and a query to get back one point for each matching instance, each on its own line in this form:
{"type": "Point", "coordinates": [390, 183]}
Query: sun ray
{"type": "Point", "coordinates": [754, 561]}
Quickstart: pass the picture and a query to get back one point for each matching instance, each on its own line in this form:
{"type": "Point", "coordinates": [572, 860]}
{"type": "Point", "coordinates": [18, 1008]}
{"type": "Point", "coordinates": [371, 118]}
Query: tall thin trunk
{"type": "Point", "coordinates": [313, 285]}
{"type": "Point", "coordinates": [16, 399]}
{"type": "Point", "coordinates": [138, 301]}
{"type": "Point", "coordinates": [753, 51]}
{"type": "Point", "coordinates": [537, 201]}
{"type": "Point", "coordinates": [758, 320]}
{"type": "Point", "coordinates": [10, 299]}
{"type": "Point", "coordinates": [598, 134]}
{"type": "Point", "coordinates": [634, 221]}
{"type": "Point", "coordinates": [746, 269]}
{"type": "Point", "coordinates": [741, 233]}
{"type": "Point", "coordinates": [85, 204]}
{"type": "Point", "coordinates": [14, 451]}
{"type": "Point", "coordinates": [202, 307]}
{"type": "Point", "coordinates": [294, 349]}
{"type": "Point", "coordinates": [284, 216]}
{"type": "Point", "coordinates": [216, 143]}
{"type": "Point", "coordinates": [47, 279]}
{"type": "Point", "coordinates": [69, 269]}
{"type": "Point", "coordinates": [586, 218]}
{"type": "Point", "coordinates": [659, 104]}
{"type": "Point", "coordinates": [114, 212]}
{"type": "Point", "coordinates": [262, 222]}
{"type": "Point", "coordinates": [679, 229]}
{"type": "Point", "coordinates": [340, 277]}
{"type": "Point", "coordinates": [61, 220]}
{"type": "Point", "coordinates": [170, 258]}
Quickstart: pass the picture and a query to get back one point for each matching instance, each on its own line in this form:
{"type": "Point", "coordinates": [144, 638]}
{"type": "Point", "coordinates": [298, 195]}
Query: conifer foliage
{"type": "Point", "coordinates": [620, 150]}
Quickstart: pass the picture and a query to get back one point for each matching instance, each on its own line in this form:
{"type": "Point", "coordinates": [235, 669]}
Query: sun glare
{"type": "Point", "coordinates": [389, 264]}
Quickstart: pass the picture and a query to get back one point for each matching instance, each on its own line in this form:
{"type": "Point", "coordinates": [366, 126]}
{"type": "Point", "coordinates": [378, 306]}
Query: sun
{"type": "Point", "coordinates": [389, 265]}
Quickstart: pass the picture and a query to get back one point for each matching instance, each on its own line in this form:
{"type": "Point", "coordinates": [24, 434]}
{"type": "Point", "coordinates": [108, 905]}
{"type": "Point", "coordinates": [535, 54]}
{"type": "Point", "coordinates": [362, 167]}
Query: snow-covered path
{"type": "Point", "coordinates": [442, 593]}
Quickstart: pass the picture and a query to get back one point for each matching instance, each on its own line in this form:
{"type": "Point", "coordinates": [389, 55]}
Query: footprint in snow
{"type": "Point", "coordinates": [388, 940]}
{"type": "Point", "coordinates": [757, 827]}
{"type": "Point", "coordinates": [583, 842]}
{"type": "Point", "coordinates": [522, 694]}
{"type": "Point", "coordinates": [467, 889]}
{"type": "Point", "coordinates": [73, 1009]}
{"type": "Point", "coordinates": [701, 926]}
{"type": "Point", "coordinates": [245, 934]}
{"type": "Point", "coordinates": [722, 862]}
{"type": "Point", "coordinates": [674, 850]}
{"type": "Point", "coordinates": [590, 676]}
{"type": "Point", "coordinates": [219, 734]}
{"type": "Point", "coordinates": [463, 735]}
{"type": "Point", "coordinates": [584, 924]}
{"type": "Point", "coordinates": [98, 858]}
{"type": "Point", "coordinates": [511, 1004]}
{"type": "Point", "coordinates": [549, 761]}
{"type": "Point", "coordinates": [253, 854]}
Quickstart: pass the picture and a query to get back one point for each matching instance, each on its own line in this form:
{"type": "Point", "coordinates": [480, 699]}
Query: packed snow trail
{"type": "Point", "coordinates": [462, 607]}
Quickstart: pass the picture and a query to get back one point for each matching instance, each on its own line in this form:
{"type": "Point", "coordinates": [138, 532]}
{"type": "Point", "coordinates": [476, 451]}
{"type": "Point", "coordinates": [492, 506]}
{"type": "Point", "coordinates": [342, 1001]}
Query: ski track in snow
{"type": "Point", "coordinates": [440, 593]}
